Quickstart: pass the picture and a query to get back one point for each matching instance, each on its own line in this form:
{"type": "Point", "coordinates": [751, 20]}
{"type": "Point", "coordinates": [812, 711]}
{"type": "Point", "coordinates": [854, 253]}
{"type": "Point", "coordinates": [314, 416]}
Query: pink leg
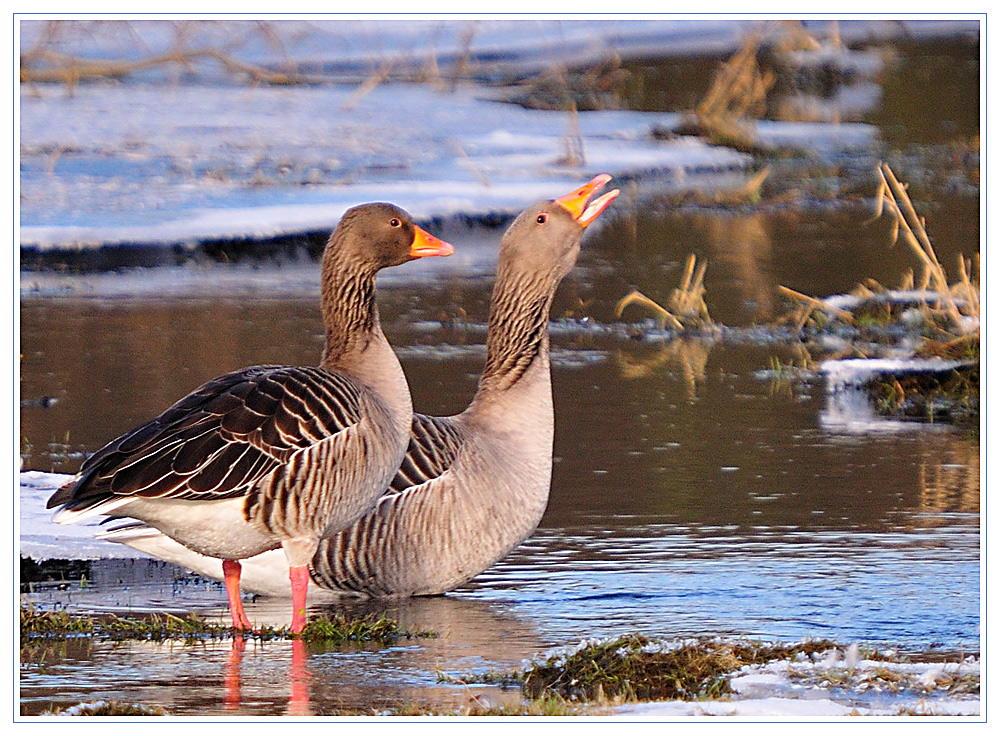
{"type": "Point", "coordinates": [299, 576]}
{"type": "Point", "coordinates": [231, 569]}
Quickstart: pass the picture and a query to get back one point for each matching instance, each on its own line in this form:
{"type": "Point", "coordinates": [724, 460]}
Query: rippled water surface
{"type": "Point", "coordinates": [693, 493]}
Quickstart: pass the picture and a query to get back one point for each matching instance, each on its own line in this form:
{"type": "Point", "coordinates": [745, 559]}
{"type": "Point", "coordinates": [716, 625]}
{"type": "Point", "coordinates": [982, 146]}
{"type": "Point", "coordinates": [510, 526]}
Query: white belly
{"type": "Point", "coordinates": [212, 528]}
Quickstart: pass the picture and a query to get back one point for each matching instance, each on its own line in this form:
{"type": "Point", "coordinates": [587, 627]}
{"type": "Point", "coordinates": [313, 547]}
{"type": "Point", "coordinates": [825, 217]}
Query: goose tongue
{"type": "Point", "coordinates": [576, 201]}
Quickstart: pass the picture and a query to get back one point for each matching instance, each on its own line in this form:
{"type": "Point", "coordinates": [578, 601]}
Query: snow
{"type": "Point", "coordinates": [851, 372]}
{"type": "Point", "coordinates": [757, 708]}
{"type": "Point", "coordinates": [848, 408]}
{"type": "Point", "coordinates": [139, 164]}
{"type": "Point", "coordinates": [787, 709]}
{"type": "Point", "coordinates": [43, 540]}
{"type": "Point", "coordinates": [160, 160]}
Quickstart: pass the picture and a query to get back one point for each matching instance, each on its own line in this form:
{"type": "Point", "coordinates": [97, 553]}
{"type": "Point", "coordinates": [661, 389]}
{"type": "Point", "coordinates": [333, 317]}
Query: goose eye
{"type": "Point", "coordinates": [395, 222]}
{"type": "Point", "coordinates": [541, 218]}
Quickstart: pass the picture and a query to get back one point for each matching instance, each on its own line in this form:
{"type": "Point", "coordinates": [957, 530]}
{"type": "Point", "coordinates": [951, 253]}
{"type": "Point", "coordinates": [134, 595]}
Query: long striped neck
{"type": "Point", "coordinates": [350, 314]}
{"type": "Point", "coordinates": [518, 327]}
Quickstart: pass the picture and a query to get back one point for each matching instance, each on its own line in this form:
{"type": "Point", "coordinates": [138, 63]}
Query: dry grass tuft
{"type": "Point", "coordinates": [102, 708]}
{"type": "Point", "coordinates": [949, 313]}
{"type": "Point", "coordinates": [737, 94]}
{"type": "Point", "coordinates": [686, 308]}
{"type": "Point", "coordinates": [958, 302]}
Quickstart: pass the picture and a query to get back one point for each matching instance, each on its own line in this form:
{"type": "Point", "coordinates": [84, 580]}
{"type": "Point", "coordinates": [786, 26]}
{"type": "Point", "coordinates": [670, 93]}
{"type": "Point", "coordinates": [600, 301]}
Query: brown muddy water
{"type": "Point", "coordinates": [694, 493]}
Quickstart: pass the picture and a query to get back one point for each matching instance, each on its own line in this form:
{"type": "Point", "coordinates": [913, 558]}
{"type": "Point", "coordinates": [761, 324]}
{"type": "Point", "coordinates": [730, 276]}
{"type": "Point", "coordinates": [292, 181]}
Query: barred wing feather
{"type": "Point", "coordinates": [434, 444]}
{"type": "Point", "coordinates": [220, 439]}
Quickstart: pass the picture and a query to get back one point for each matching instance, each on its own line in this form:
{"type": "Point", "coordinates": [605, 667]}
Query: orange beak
{"type": "Point", "coordinates": [576, 201]}
{"type": "Point", "coordinates": [424, 244]}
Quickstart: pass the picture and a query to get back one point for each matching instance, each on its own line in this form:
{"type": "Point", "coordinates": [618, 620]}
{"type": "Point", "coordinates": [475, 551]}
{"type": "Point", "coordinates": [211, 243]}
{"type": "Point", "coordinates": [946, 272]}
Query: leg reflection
{"type": "Point", "coordinates": [299, 675]}
{"type": "Point", "coordinates": [231, 675]}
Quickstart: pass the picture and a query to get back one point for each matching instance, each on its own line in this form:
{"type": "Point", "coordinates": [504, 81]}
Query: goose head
{"type": "Point", "coordinates": [545, 238]}
{"type": "Point", "coordinates": [378, 235]}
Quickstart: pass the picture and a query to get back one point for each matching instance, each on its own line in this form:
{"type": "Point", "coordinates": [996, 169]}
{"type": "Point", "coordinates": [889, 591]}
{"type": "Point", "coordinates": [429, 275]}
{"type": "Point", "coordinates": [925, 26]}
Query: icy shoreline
{"type": "Point", "coordinates": [155, 161]}
{"type": "Point", "coordinates": [254, 178]}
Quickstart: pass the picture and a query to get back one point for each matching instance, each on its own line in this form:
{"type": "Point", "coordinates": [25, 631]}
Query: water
{"type": "Point", "coordinates": [692, 495]}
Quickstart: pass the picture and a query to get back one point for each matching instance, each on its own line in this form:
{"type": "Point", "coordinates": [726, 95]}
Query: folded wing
{"type": "Point", "coordinates": [218, 441]}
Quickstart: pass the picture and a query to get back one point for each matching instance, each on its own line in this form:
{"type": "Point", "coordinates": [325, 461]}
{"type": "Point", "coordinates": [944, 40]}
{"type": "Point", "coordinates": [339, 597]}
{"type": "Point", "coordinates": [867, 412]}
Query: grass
{"type": "Point", "coordinates": [886, 677]}
{"type": "Point", "coordinates": [944, 314]}
{"type": "Point", "coordinates": [341, 630]}
{"type": "Point", "coordinates": [951, 396]}
{"type": "Point", "coordinates": [783, 375]}
{"type": "Point", "coordinates": [598, 675]}
{"type": "Point", "coordinates": [738, 93]}
{"type": "Point", "coordinates": [635, 668]}
{"type": "Point", "coordinates": [53, 623]}
{"type": "Point", "coordinates": [545, 706]}
{"type": "Point", "coordinates": [958, 303]}
{"type": "Point", "coordinates": [39, 626]}
{"type": "Point", "coordinates": [153, 627]}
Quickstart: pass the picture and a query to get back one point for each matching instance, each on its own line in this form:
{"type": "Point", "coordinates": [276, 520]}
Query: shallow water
{"type": "Point", "coordinates": [693, 493]}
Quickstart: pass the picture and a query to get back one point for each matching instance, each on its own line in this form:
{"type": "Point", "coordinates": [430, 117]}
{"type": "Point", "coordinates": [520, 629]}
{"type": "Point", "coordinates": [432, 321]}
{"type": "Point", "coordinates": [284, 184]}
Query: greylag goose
{"type": "Point", "coordinates": [472, 486]}
{"type": "Point", "coordinates": [275, 456]}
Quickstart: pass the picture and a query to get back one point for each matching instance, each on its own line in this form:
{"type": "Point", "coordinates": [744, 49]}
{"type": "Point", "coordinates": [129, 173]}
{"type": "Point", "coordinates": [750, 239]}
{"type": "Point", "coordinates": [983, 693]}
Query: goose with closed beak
{"type": "Point", "coordinates": [271, 456]}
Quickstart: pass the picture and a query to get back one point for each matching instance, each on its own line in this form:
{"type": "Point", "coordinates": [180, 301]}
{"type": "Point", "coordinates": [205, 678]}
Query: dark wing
{"type": "Point", "coordinates": [434, 444]}
{"type": "Point", "coordinates": [216, 441]}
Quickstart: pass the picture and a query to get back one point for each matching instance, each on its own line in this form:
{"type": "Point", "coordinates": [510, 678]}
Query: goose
{"type": "Point", "coordinates": [472, 486]}
{"type": "Point", "coordinates": [275, 456]}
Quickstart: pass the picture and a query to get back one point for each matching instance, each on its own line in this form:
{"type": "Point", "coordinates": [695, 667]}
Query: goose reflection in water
{"type": "Point", "coordinates": [299, 676]}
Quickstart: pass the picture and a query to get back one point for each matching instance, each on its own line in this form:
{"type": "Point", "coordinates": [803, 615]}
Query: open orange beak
{"type": "Point", "coordinates": [424, 244]}
{"type": "Point", "coordinates": [576, 201]}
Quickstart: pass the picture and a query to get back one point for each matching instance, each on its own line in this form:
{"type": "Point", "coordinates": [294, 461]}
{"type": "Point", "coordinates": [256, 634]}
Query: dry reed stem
{"type": "Point", "coordinates": [814, 305]}
{"type": "Point", "coordinates": [479, 172]}
{"type": "Point", "coordinates": [892, 194]}
{"type": "Point", "coordinates": [368, 86]}
{"type": "Point", "coordinates": [751, 190]}
{"type": "Point", "coordinates": [70, 70]}
{"type": "Point", "coordinates": [461, 67]}
{"type": "Point", "coordinates": [637, 297]}
{"type": "Point", "coordinates": [689, 297]}
{"type": "Point", "coordinates": [966, 290]}
{"type": "Point", "coordinates": [574, 139]}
